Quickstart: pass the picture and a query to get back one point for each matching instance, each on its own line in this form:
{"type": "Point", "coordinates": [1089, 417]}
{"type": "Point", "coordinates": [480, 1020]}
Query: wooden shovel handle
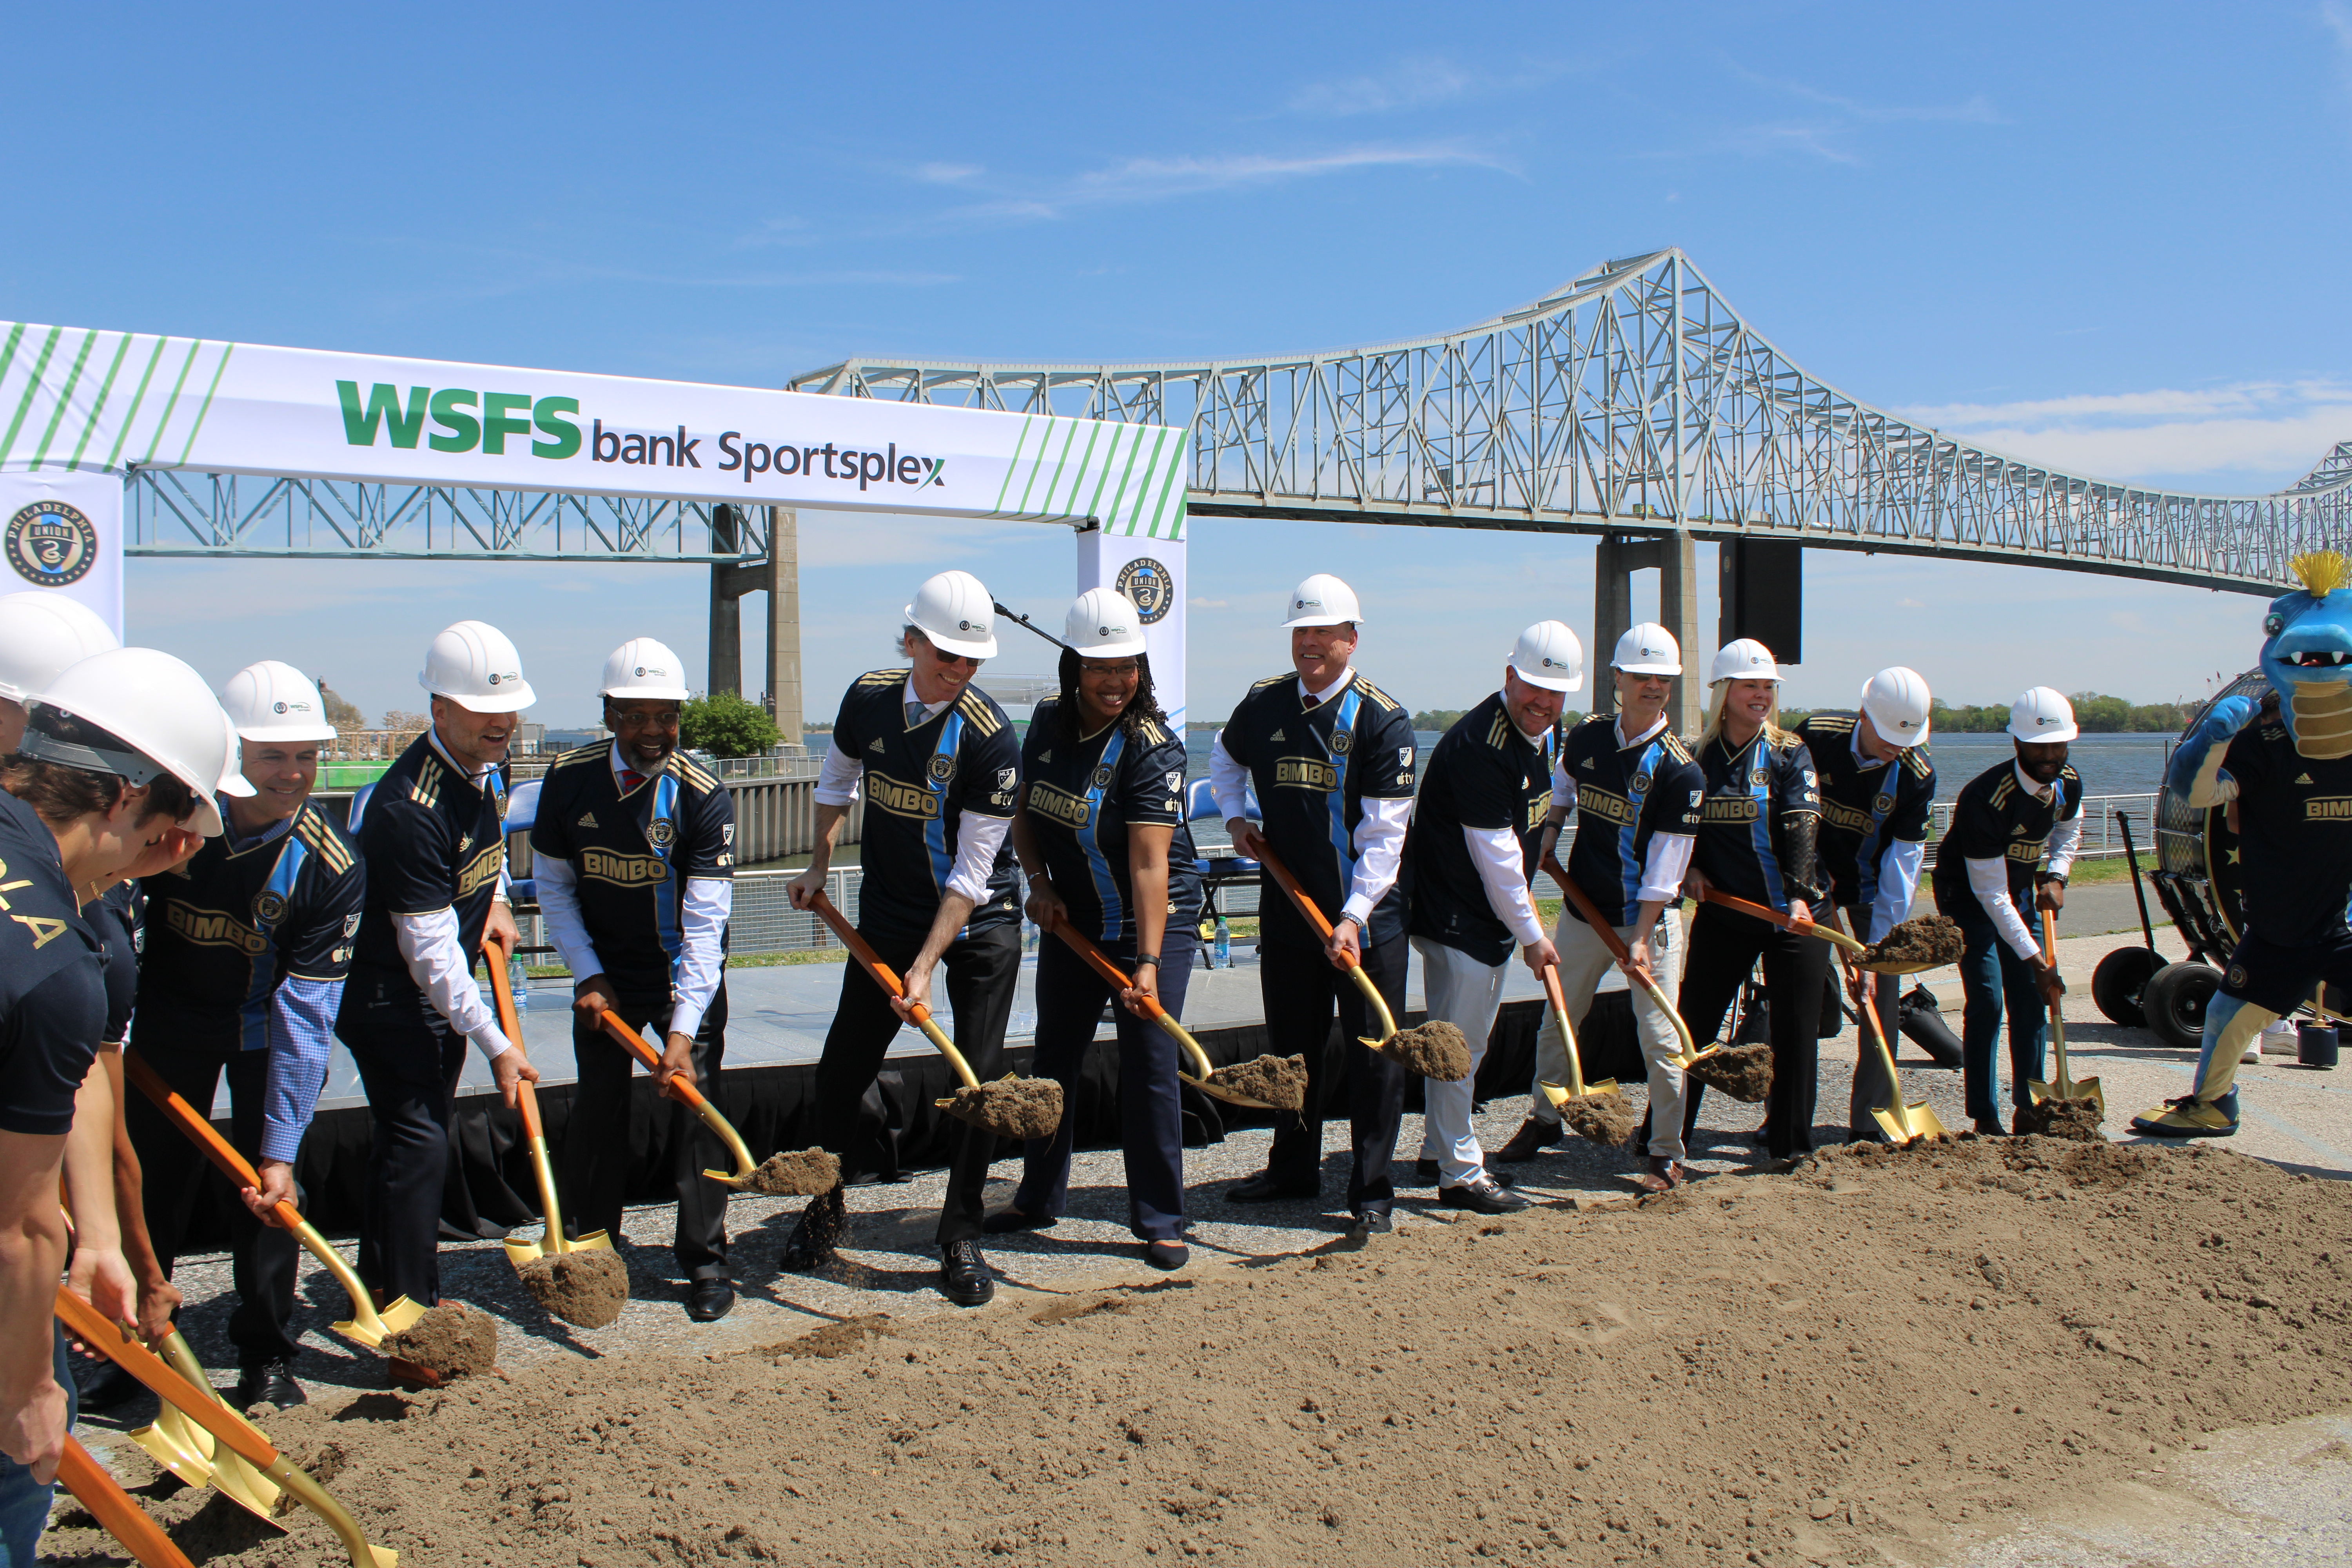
{"type": "Point", "coordinates": [112, 1508]}
{"type": "Point", "coordinates": [1298, 899]}
{"type": "Point", "coordinates": [216, 1148]}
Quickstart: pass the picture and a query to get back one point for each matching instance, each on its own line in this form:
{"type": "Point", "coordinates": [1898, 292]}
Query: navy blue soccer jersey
{"type": "Point", "coordinates": [1997, 818]}
{"type": "Point", "coordinates": [431, 840]}
{"type": "Point", "coordinates": [52, 983]}
{"type": "Point", "coordinates": [1080, 796]}
{"type": "Point", "coordinates": [631, 854]}
{"type": "Point", "coordinates": [115, 917]}
{"type": "Point", "coordinates": [2294, 835]}
{"type": "Point", "coordinates": [226, 928]}
{"type": "Point", "coordinates": [920, 782]}
{"type": "Point", "coordinates": [1483, 773]}
{"type": "Point", "coordinates": [1752, 791]}
{"type": "Point", "coordinates": [1313, 768]}
{"type": "Point", "coordinates": [1625, 795]}
{"type": "Point", "coordinates": [1865, 807]}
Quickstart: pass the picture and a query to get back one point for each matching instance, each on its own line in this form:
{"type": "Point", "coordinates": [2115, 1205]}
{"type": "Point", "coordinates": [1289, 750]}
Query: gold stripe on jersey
{"type": "Point", "coordinates": [1831, 724]}
{"type": "Point", "coordinates": [1499, 732]}
{"type": "Point", "coordinates": [1376, 696]}
{"type": "Point", "coordinates": [1674, 747]}
{"type": "Point", "coordinates": [1153, 735]}
{"type": "Point", "coordinates": [977, 712]}
{"type": "Point", "coordinates": [1269, 680]}
{"type": "Point", "coordinates": [2003, 791]}
{"type": "Point", "coordinates": [426, 791]}
{"type": "Point", "coordinates": [322, 839]}
{"type": "Point", "coordinates": [579, 755]}
{"type": "Point", "coordinates": [691, 773]}
{"type": "Point", "coordinates": [1914, 762]}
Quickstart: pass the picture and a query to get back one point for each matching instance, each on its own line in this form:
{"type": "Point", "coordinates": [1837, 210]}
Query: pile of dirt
{"type": "Point", "coordinates": [1435, 1049]}
{"type": "Point", "coordinates": [1010, 1106]}
{"type": "Point", "coordinates": [584, 1287]}
{"type": "Point", "coordinates": [451, 1340]}
{"type": "Point", "coordinates": [1278, 1081]}
{"type": "Point", "coordinates": [1932, 941]}
{"type": "Point", "coordinates": [2076, 1121]}
{"type": "Point", "coordinates": [1606, 1118]}
{"type": "Point", "coordinates": [795, 1173]}
{"type": "Point", "coordinates": [1835, 1365]}
{"type": "Point", "coordinates": [1743, 1072]}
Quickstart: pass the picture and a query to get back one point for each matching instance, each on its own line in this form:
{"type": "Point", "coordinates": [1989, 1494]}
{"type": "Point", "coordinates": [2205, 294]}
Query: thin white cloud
{"type": "Point", "coordinates": [1140, 180]}
{"type": "Point", "coordinates": [2258, 435]}
{"type": "Point", "coordinates": [1408, 84]}
{"type": "Point", "coordinates": [948, 173]}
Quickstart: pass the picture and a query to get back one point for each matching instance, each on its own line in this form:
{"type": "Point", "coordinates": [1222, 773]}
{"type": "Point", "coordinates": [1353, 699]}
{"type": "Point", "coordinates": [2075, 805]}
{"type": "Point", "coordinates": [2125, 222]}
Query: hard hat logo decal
{"type": "Point", "coordinates": [277, 707]}
{"type": "Point", "coordinates": [641, 669]}
{"type": "Point", "coordinates": [494, 681]}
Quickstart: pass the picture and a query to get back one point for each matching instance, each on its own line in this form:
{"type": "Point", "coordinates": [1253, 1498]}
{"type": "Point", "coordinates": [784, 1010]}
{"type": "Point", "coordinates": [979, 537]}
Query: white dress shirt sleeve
{"type": "Point", "coordinates": [1988, 879]}
{"type": "Point", "coordinates": [1663, 866]}
{"type": "Point", "coordinates": [709, 902]}
{"type": "Point", "coordinates": [978, 838]}
{"type": "Point", "coordinates": [1380, 850]}
{"type": "Point", "coordinates": [1563, 789]}
{"type": "Point", "coordinates": [2065, 837]}
{"type": "Point", "coordinates": [559, 907]}
{"type": "Point", "coordinates": [1228, 781]}
{"type": "Point", "coordinates": [428, 945]}
{"type": "Point", "coordinates": [1898, 883]}
{"type": "Point", "coordinates": [1503, 871]}
{"type": "Point", "coordinates": [837, 780]}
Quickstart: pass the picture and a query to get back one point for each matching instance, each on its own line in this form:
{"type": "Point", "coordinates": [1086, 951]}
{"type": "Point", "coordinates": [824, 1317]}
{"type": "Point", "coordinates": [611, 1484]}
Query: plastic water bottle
{"type": "Point", "coordinates": [518, 982]}
{"type": "Point", "coordinates": [1224, 948]}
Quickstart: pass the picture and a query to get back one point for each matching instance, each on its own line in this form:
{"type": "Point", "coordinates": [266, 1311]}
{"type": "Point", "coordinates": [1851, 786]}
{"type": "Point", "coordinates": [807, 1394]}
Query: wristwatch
{"type": "Point", "coordinates": [1143, 958]}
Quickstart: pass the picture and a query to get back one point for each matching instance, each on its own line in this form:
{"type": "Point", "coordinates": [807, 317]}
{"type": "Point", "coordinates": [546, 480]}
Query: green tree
{"type": "Point", "coordinates": [726, 725]}
{"type": "Point", "coordinates": [1438, 719]}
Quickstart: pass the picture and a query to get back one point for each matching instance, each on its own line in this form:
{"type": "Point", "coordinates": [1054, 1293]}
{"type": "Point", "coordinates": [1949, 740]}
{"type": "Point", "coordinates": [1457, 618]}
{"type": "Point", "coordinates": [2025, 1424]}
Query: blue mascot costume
{"type": "Point", "coordinates": [2288, 768]}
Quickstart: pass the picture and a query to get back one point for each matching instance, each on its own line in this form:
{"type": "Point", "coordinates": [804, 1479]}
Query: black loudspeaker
{"type": "Point", "coordinates": [1761, 589]}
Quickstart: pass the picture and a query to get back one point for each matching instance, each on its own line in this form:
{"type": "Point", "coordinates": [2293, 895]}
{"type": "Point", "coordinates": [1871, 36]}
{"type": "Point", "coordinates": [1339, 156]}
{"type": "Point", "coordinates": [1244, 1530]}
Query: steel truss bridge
{"type": "Point", "coordinates": [1632, 400]}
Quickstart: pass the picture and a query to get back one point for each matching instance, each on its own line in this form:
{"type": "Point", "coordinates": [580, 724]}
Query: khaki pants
{"type": "Point", "coordinates": [1583, 960]}
{"type": "Point", "coordinates": [1468, 995]}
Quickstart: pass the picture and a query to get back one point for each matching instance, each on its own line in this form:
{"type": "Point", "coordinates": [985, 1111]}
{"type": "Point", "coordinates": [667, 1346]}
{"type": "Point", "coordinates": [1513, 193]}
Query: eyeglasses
{"type": "Point", "coordinates": [945, 657]}
{"type": "Point", "coordinates": [1122, 671]}
{"type": "Point", "coordinates": [635, 718]}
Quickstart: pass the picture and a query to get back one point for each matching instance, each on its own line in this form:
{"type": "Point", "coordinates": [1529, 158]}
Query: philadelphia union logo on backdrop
{"type": "Point", "coordinates": [1145, 584]}
{"type": "Point", "coordinates": [50, 544]}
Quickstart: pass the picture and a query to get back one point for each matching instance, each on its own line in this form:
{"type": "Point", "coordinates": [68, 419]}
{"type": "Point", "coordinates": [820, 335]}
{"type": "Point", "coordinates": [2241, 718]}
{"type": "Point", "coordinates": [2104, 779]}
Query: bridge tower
{"type": "Point", "coordinates": [778, 576]}
{"type": "Point", "coordinates": [1676, 557]}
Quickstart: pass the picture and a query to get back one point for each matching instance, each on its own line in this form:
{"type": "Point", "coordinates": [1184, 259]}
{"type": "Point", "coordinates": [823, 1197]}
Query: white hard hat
{"type": "Point", "coordinates": [2043, 714]}
{"type": "Point", "coordinates": [1103, 621]}
{"type": "Point", "coordinates": [1896, 701]}
{"type": "Point", "coordinates": [475, 665]}
{"type": "Point", "coordinates": [1743, 659]}
{"type": "Point", "coordinates": [42, 633]}
{"type": "Point", "coordinates": [1323, 600]}
{"type": "Point", "coordinates": [644, 668]}
{"type": "Point", "coordinates": [163, 713]}
{"type": "Point", "coordinates": [1548, 655]}
{"type": "Point", "coordinates": [955, 611]}
{"type": "Point", "coordinates": [1648, 649]}
{"type": "Point", "coordinates": [274, 702]}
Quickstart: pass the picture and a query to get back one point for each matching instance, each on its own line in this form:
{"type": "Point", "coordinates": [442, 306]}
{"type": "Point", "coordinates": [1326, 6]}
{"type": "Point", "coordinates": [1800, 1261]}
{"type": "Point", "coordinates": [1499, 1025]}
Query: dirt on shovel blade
{"type": "Point", "coordinates": [1278, 1081]}
{"type": "Point", "coordinates": [1743, 1072]}
{"type": "Point", "coordinates": [802, 1173]}
{"type": "Point", "coordinates": [1011, 1108]}
{"type": "Point", "coordinates": [1607, 1117]}
{"type": "Point", "coordinates": [1435, 1049]}
{"type": "Point", "coordinates": [2076, 1121]}
{"type": "Point", "coordinates": [588, 1289]}
{"type": "Point", "coordinates": [451, 1340]}
{"type": "Point", "coordinates": [1933, 939]}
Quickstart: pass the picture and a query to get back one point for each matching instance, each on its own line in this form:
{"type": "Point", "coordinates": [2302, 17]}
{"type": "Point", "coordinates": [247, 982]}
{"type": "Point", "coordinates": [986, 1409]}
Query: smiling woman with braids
{"type": "Point", "coordinates": [1101, 837]}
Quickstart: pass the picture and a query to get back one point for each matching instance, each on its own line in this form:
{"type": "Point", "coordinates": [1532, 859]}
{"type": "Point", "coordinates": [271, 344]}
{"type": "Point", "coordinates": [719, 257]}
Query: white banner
{"type": "Point", "coordinates": [62, 532]}
{"type": "Point", "coordinates": [75, 399]}
{"type": "Point", "coordinates": [1150, 572]}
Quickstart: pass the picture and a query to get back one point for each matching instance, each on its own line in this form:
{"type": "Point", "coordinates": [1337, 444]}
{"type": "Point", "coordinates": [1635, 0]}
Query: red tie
{"type": "Point", "coordinates": [630, 779]}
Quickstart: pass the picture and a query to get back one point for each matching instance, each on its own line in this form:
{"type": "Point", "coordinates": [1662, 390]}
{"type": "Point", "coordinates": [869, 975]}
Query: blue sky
{"type": "Point", "coordinates": [2108, 238]}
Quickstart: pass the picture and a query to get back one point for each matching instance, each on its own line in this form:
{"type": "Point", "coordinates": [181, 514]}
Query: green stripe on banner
{"type": "Point", "coordinates": [218, 370]}
{"type": "Point", "coordinates": [1117, 495]}
{"type": "Point", "coordinates": [1020, 441]}
{"type": "Point", "coordinates": [1117, 434]}
{"type": "Point", "coordinates": [1022, 510]}
{"type": "Point", "coordinates": [1078, 478]}
{"type": "Point", "coordinates": [114, 459]}
{"type": "Point", "coordinates": [177, 387]}
{"type": "Point", "coordinates": [65, 399]}
{"type": "Point", "coordinates": [1176, 533]}
{"type": "Point", "coordinates": [32, 387]}
{"type": "Point", "coordinates": [9, 353]}
{"type": "Point", "coordinates": [1167, 487]}
{"type": "Point", "coordinates": [105, 390]}
{"type": "Point", "coordinates": [1143, 488]}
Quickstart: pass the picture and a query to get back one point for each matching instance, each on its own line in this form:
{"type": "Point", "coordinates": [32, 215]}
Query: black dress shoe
{"type": "Point", "coordinates": [102, 1384]}
{"type": "Point", "coordinates": [708, 1300]}
{"type": "Point", "coordinates": [1004, 1222]}
{"type": "Point", "coordinates": [1485, 1195]}
{"type": "Point", "coordinates": [1262, 1188]}
{"type": "Point", "coordinates": [1370, 1222]}
{"type": "Point", "coordinates": [1425, 1171]}
{"type": "Point", "coordinates": [1169, 1254]}
{"type": "Point", "coordinates": [965, 1277]}
{"type": "Point", "coordinates": [270, 1383]}
{"type": "Point", "coordinates": [810, 1248]}
{"type": "Point", "coordinates": [1534, 1133]}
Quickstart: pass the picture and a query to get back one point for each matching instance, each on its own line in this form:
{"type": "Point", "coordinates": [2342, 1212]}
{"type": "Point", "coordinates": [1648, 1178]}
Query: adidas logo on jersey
{"type": "Point", "coordinates": [875, 745]}
{"type": "Point", "coordinates": [587, 819]}
{"type": "Point", "coordinates": [1045, 757]}
{"type": "Point", "coordinates": [1276, 736]}
{"type": "Point", "coordinates": [2303, 778]}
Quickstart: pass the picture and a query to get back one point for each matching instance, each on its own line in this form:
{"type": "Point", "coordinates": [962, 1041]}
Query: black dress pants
{"type": "Point", "coordinates": [409, 1061]}
{"type": "Point", "coordinates": [1724, 948]}
{"type": "Point", "coordinates": [175, 1173]}
{"type": "Point", "coordinates": [599, 1149]}
{"type": "Point", "coordinates": [1300, 986]}
{"type": "Point", "coordinates": [981, 972]}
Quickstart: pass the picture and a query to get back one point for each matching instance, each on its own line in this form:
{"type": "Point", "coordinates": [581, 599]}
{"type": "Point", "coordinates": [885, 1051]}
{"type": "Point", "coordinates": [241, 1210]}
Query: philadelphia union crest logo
{"type": "Point", "coordinates": [50, 544]}
{"type": "Point", "coordinates": [1145, 584]}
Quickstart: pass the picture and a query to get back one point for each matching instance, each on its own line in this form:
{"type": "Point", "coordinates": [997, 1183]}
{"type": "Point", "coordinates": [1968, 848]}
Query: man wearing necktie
{"type": "Point", "coordinates": [2005, 822]}
{"type": "Point", "coordinates": [634, 850]}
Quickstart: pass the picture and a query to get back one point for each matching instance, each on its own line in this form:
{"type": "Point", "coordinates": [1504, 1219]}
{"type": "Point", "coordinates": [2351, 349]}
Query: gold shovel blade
{"type": "Point", "coordinates": [401, 1315]}
{"type": "Point", "coordinates": [1217, 1091]}
{"type": "Point", "coordinates": [2040, 1091]}
{"type": "Point", "coordinates": [1923, 1124]}
{"type": "Point", "coordinates": [187, 1450]}
{"type": "Point", "coordinates": [1559, 1094]}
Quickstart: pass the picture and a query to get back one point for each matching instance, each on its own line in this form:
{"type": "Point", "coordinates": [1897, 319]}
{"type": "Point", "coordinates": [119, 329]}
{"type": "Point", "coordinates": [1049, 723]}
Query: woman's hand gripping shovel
{"type": "Point", "coordinates": [1012, 1106]}
{"type": "Point", "coordinates": [1433, 1050]}
{"type": "Point", "coordinates": [1902, 1123]}
{"type": "Point", "coordinates": [368, 1325]}
{"type": "Point", "coordinates": [2049, 1097]}
{"type": "Point", "coordinates": [1595, 1111]}
{"type": "Point", "coordinates": [583, 1282]}
{"type": "Point", "coordinates": [1910, 948]}
{"type": "Point", "coordinates": [804, 1174]}
{"type": "Point", "coordinates": [1617, 950]}
{"type": "Point", "coordinates": [1275, 1083]}
{"type": "Point", "coordinates": [228, 1429]}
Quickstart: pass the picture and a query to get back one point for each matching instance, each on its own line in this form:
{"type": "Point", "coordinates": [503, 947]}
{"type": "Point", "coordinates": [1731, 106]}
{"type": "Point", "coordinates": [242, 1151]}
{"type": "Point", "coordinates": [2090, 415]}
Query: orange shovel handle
{"type": "Point", "coordinates": [1298, 899]}
{"type": "Point", "coordinates": [112, 1508]}
{"type": "Point", "coordinates": [82, 1320]}
{"type": "Point", "coordinates": [613, 1024]}
{"type": "Point", "coordinates": [1602, 927]}
{"type": "Point", "coordinates": [183, 1116]}
{"type": "Point", "coordinates": [861, 949]}
{"type": "Point", "coordinates": [1101, 964]}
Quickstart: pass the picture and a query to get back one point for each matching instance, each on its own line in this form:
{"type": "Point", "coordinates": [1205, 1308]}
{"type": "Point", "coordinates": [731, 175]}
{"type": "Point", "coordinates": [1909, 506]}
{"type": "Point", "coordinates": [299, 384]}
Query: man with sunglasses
{"type": "Point", "coordinates": [633, 849]}
{"type": "Point", "coordinates": [940, 769]}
